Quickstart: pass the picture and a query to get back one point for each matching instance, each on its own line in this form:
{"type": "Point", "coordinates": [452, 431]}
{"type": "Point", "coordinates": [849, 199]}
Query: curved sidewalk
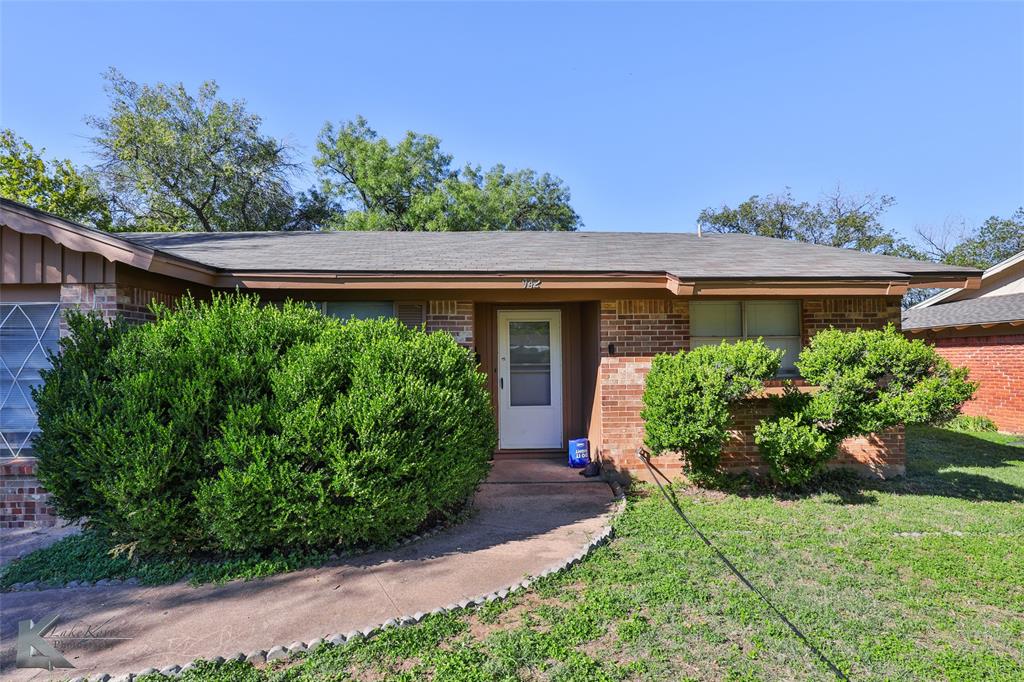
{"type": "Point", "coordinates": [531, 514]}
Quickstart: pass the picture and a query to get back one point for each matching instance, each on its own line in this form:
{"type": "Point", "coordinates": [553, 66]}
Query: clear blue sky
{"type": "Point", "coordinates": [650, 112]}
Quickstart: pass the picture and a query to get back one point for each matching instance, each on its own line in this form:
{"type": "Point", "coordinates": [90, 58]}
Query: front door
{"type": "Point", "coordinates": [529, 379]}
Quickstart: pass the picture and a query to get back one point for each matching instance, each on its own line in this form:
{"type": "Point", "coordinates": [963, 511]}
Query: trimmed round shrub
{"type": "Point", "coordinates": [793, 449]}
{"type": "Point", "coordinates": [688, 398]}
{"type": "Point", "coordinates": [230, 426]}
{"type": "Point", "coordinates": [870, 380]}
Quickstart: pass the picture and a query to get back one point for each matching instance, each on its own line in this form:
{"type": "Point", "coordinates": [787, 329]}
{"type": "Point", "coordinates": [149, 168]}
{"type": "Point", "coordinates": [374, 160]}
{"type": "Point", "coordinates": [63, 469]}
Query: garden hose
{"type": "Point", "coordinates": [671, 498]}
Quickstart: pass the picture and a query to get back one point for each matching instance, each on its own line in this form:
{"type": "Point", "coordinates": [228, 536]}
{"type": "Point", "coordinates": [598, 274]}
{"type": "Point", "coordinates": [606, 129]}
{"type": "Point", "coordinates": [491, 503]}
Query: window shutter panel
{"type": "Point", "coordinates": [410, 314]}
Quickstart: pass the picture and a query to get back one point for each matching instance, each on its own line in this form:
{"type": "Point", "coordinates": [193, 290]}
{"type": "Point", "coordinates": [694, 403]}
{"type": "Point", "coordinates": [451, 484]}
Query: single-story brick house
{"type": "Point", "coordinates": [564, 324]}
{"type": "Point", "coordinates": [982, 329]}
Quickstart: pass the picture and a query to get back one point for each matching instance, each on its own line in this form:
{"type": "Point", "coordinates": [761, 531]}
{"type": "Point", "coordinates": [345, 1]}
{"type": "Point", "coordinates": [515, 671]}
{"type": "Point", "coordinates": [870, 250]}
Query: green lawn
{"type": "Point", "coordinates": [920, 578]}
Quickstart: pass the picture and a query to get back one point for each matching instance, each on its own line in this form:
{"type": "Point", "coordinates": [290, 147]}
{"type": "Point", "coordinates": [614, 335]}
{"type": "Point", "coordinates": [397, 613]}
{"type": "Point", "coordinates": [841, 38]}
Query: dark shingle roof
{"type": "Point", "coordinates": [984, 310]}
{"type": "Point", "coordinates": [684, 255]}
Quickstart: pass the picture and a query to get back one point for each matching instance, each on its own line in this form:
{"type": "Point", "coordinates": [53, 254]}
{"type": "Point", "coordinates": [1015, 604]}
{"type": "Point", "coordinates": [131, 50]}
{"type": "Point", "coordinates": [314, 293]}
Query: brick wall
{"type": "Point", "coordinates": [849, 313]}
{"type": "Point", "coordinates": [997, 364]}
{"type": "Point", "coordinates": [642, 328]}
{"type": "Point", "coordinates": [639, 330]}
{"type": "Point", "coordinates": [111, 300]}
{"type": "Point", "coordinates": [454, 317]}
{"type": "Point", "coordinates": [23, 502]}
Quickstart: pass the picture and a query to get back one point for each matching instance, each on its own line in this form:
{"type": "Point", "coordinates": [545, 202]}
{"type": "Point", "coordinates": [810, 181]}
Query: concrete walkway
{"type": "Point", "coordinates": [17, 542]}
{"type": "Point", "coordinates": [530, 515]}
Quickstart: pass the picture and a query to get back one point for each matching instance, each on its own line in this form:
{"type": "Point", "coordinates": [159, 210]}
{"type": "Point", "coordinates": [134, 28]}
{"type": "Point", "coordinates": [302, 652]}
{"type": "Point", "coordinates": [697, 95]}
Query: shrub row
{"type": "Point", "coordinates": [869, 381]}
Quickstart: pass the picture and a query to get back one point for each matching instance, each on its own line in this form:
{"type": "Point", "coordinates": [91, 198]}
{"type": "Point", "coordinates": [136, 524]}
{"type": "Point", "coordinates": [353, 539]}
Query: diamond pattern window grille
{"type": "Point", "coordinates": [27, 331]}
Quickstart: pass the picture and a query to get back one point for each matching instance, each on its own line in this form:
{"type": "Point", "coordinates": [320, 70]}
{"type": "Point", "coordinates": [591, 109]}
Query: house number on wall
{"type": "Point", "coordinates": [531, 284]}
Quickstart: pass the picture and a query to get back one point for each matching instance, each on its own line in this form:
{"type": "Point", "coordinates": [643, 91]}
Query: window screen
{"type": "Point", "coordinates": [27, 332]}
{"type": "Point", "coordinates": [361, 310]}
{"type": "Point", "coordinates": [777, 322]}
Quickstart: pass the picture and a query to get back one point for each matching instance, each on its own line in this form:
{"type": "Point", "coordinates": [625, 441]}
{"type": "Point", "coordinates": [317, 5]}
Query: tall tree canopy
{"type": "Point", "coordinates": [172, 160]}
{"type": "Point", "coordinates": [845, 221]}
{"type": "Point", "coordinates": [996, 240]}
{"type": "Point", "coordinates": [411, 185]}
{"type": "Point", "coordinates": [55, 186]}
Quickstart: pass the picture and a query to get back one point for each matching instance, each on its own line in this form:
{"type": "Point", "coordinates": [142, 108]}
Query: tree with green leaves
{"type": "Point", "coordinates": [173, 160]}
{"type": "Point", "coordinates": [996, 240]}
{"type": "Point", "coordinates": [837, 219]}
{"type": "Point", "coordinates": [56, 187]}
{"type": "Point", "coordinates": [411, 185]}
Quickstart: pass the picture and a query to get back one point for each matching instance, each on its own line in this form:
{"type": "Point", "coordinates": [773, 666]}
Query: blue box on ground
{"type": "Point", "coordinates": [579, 453]}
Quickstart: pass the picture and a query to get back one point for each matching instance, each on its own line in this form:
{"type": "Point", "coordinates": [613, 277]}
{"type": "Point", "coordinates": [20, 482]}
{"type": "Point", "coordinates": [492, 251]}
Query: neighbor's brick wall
{"type": "Point", "coordinates": [641, 329]}
{"type": "Point", "coordinates": [997, 364]}
{"type": "Point", "coordinates": [454, 317]}
{"type": "Point", "coordinates": [23, 502]}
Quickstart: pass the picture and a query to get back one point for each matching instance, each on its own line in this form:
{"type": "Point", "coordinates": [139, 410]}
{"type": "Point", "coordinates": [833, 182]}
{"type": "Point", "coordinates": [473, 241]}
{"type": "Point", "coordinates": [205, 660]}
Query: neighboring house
{"type": "Point", "coordinates": [982, 329]}
{"type": "Point", "coordinates": [564, 324]}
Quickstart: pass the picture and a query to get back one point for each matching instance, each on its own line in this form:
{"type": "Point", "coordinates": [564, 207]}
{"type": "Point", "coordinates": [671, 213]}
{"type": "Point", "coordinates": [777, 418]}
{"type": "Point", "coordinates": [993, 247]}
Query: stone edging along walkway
{"type": "Point", "coordinates": [285, 651]}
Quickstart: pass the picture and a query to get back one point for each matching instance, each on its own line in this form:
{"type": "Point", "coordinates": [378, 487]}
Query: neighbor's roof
{"type": "Point", "coordinates": [684, 255]}
{"type": "Point", "coordinates": [975, 311]}
{"type": "Point", "coordinates": [992, 273]}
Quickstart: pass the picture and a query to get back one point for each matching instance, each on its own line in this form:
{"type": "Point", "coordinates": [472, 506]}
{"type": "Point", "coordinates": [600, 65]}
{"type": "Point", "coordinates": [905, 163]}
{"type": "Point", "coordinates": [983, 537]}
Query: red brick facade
{"type": "Point", "coordinates": [640, 329]}
{"type": "Point", "coordinates": [111, 300]}
{"type": "Point", "coordinates": [631, 332]}
{"type": "Point", "coordinates": [23, 502]}
{"type": "Point", "coordinates": [454, 317]}
{"type": "Point", "coordinates": [997, 364]}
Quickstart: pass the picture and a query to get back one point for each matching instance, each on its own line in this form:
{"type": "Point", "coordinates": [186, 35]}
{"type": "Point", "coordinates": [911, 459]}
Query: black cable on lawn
{"type": "Point", "coordinates": [655, 473]}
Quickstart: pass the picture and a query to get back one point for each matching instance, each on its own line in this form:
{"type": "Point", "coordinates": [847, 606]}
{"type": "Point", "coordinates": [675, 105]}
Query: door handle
{"type": "Point", "coordinates": [501, 383]}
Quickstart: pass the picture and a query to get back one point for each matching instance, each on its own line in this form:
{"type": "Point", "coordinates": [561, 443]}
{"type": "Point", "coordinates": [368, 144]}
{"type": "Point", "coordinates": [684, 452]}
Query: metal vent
{"type": "Point", "coordinates": [410, 314]}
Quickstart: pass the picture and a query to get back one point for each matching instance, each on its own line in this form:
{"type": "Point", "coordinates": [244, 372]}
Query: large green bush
{"type": "Point", "coordinates": [73, 394]}
{"type": "Point", "coordinates": [688, 395]}
{"type": "Point", "coordinates": [231, 426]}
{"type": "Point", "coordinates": [870, 380]}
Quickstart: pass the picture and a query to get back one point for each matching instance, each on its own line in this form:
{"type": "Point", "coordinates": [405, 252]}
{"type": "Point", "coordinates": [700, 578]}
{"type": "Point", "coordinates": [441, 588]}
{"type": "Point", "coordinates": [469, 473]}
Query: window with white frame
{"type": "Point", "coordinates": [777, 322]}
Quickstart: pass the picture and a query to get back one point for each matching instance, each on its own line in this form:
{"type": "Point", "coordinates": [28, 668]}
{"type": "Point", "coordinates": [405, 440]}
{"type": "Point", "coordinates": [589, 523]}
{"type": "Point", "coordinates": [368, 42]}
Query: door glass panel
{"type": "Point", "coordinates": [529, 363]}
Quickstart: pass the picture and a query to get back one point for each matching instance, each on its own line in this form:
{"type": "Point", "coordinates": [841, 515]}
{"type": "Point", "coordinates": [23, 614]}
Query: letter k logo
{"type": "Point", "coordinates": [35, 652]}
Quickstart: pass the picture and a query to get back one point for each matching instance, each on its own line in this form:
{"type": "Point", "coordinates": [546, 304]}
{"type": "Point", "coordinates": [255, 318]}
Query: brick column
{"type": "Point", "coordinates": [639, 329]}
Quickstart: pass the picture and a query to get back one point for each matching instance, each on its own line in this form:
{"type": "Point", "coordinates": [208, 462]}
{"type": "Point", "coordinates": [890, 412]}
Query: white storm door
{"type": "Point", "coordinates": [529, 379]}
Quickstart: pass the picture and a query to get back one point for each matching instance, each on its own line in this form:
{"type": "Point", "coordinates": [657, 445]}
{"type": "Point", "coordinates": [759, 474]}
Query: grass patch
{"type": "Point", "coordinates": [921, 577]}
{"type": "Point", "coordinates": [917, 578]}
{"type": "Point", "coordinates": [87, 557]}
